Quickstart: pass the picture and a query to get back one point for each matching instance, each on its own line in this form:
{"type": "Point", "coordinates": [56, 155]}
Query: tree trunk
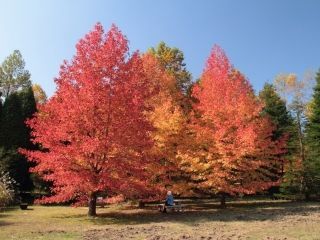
{"type": "Point", "coordinates": [302, 150]}
{"type": "Point", "coordinates": [223, 200]}
{"type": "Point", "coordinates": [300, 135]}
{"type": "Point", "coordinates": [307, 196]}
{"type": "Point", "coordinates": [92, 205]}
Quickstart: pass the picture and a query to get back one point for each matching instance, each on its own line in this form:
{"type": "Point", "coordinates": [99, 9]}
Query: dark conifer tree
{"type": "Point", "coordinates": [312, 164]}
{"type": "Point", "coordinates": [276, 109]}
{"type": "Point", "coordinates": [17, 107]}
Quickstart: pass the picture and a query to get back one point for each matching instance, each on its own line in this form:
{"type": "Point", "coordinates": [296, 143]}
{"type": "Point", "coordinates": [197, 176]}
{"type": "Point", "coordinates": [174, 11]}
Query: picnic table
{"type": "Point", "coordinates": [177, 207]}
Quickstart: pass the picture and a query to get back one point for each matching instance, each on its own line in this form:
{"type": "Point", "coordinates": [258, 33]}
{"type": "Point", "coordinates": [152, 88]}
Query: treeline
{"type": "Point", "coordinates": [18, 103]}
{"type": "Point", "coordinates": [136, 125]}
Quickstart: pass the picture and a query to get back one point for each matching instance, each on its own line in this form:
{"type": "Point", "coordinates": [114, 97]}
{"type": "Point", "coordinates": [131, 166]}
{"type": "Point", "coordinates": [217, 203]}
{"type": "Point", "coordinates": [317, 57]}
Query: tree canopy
{"type": "Point", "coordinates": [13, 76]}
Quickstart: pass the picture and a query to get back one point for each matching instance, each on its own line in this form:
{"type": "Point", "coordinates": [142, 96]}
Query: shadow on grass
{"type": "Point", "coordinates": [28, 209]}
{"type": "Point", "coordinates": [2, 224]}
{"type": "Point", "coordinates": [4, 211]}
{"type": "Point", "coordinates": [206, 212]}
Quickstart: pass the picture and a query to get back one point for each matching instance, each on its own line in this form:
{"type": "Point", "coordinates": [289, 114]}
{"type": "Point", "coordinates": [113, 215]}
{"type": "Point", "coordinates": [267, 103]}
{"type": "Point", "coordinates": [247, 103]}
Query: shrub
{"type": "Point", "coordinates": [6, 189]}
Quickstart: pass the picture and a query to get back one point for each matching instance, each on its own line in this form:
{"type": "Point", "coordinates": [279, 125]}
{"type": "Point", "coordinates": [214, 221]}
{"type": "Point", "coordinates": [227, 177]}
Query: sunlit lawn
{"type": "Point", "coordinates": [201, 220]}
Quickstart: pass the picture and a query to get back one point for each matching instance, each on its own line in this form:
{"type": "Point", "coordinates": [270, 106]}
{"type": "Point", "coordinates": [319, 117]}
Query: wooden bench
{"type": "Point", "coordinates": [177, 207]}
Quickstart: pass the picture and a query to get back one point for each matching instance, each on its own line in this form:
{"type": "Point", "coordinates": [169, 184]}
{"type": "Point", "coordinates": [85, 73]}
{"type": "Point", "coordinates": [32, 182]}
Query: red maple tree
{"type": "Point", "coordinates": [237, 153]}
{"type": "Point", "coordinates": [94, 132]}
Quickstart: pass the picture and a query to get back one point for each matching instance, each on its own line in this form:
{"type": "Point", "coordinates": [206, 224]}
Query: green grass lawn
{"type": "Point", "coordinates": [201, 220]}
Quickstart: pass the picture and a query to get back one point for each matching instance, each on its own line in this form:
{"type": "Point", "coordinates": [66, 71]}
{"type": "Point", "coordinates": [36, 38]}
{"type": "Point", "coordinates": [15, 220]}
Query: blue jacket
{"type": "Point", "coordinates": [170, 200]}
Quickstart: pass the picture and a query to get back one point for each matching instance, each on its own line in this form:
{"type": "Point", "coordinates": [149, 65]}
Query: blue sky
{"type": "Point", "coordinates": [262, 38]}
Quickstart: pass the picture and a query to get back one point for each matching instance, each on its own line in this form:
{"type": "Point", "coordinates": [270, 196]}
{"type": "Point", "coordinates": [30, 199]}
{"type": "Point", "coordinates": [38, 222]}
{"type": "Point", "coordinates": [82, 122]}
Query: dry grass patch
{"type": "Point", "coordinates": [202, 220]}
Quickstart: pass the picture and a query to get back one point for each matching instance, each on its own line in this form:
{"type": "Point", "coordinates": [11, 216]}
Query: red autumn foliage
{"type": "Point", "coordinates": [114, 114]}
{"type": "Point", "coordinates": [94, 132]}
{"type": "Point", "coordinates": [237, 153]}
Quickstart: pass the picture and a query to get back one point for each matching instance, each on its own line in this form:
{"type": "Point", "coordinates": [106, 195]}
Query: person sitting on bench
{"type": "Point", "coordinates": [169, 202]}
{"type": "Point", "coordinates": [169, 199]}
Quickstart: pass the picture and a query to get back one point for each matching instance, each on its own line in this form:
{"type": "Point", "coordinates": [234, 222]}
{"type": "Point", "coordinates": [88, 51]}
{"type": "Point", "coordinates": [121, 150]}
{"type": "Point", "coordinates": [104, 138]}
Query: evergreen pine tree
{"type": "Point", "coordinates": [12, 123]}
{"type": "Point", "coordinates": [276, 109]}
{"type": "Point", "coordinates": [312, 164]}
{"type": "Point", "coordinates": [17, 107]}
{"type": "Point", "coordinates": [17, 103]}
{"type": "Point", "coordinates": [172, 59]}
{"type": "Point", "coordinates": [28, 107]}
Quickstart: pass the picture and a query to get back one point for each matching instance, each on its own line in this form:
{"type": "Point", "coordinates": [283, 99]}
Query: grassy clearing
{"type": "Point", "coordinates": [202, 220]}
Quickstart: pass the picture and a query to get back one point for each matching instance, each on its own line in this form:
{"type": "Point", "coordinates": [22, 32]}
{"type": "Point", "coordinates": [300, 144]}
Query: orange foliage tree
{"type": "Point", "coordinates": [233, 152]}
{"type": "Point", "coordinates": [94, 132]}
{"type": "Point", "coordinates": [168, 120]}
